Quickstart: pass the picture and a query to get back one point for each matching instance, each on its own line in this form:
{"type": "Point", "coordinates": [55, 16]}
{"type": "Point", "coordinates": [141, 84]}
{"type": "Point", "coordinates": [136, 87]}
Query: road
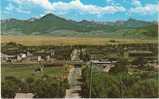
{"type": "Point", "coordinates": [75, 88]}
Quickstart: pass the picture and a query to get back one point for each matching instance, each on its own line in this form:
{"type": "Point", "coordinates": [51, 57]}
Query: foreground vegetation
{"type": "Point", "coordinates": [23, 71]}
{"type": "Point", "coordinates": [23, 78]}
{"type": "Point", "coordinates": [44, 87]}
{"type": "Point", "coordinates": [121, 82]}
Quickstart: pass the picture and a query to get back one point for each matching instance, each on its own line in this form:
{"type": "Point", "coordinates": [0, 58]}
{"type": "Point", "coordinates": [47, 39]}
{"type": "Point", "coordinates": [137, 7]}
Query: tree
{"type": "Point", "coordinates": [139, 61]}
{"type": "Point", "coordinates": [29, 83]}
{"type": "Point", "coordinates": [120, 66]}
{"type": "Point", "coordinates": [145, 89]}
{"type": "Point", "coordinates": [49, 88]}
{"type": "Point", "coordinates": [9, 87]}
{"type": "Point", "coordinates": [84, 56]}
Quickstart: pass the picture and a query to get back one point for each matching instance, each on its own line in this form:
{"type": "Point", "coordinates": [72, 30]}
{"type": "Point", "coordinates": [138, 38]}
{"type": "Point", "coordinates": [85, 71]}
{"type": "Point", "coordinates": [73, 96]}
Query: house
{"type": "Point", "coordinates": [75, 55]}
{"type": "Point", "coordinates": [52, 52]}
{"type": "Point", "coordinates": [103, 65]}
{"type": "Point", "coordinates": [24, 96]}
{"type": "Point", "coordinates": [40, 56]}
{"type": "Point", "coordinates": [19, 58]}
{"type": "Point", "coordinates": [23, 55]}
{"type": "Point", "coordinates": [28, 54]}
{"type": "Point", "coordinates": [8, 58]}
{"type": "Point", "coordinates": [139, 53]}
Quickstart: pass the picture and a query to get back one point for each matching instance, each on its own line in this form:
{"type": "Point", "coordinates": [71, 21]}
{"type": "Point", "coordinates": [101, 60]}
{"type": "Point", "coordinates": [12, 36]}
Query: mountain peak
{"type": "Point", "coordinates": [131, 19]}
{"type": "Point", "coordinates": [52, 17]}
{"type": "Point", "coordinates": [49, 15]}
{"type": "Point", "coordinates": [32, 19]}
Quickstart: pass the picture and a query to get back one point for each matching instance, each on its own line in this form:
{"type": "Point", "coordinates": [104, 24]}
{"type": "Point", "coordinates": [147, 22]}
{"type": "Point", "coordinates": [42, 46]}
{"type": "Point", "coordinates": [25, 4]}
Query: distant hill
{"type": "Point", "coordinates": [51, 24]}
{"type": "Point", "coordinates": [150, 31]}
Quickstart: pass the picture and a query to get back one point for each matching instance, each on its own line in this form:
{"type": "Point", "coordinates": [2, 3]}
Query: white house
{"type": "Point", "coordinates": [24, 96]}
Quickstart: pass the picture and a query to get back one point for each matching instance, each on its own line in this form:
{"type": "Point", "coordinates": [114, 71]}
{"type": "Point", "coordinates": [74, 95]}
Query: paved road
{"type": "Point", "coordinates": [75, 88]}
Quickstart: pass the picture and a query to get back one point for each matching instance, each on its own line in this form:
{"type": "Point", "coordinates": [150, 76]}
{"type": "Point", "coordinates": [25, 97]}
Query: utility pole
{"type": "Point", "coordinates": [90, 81]}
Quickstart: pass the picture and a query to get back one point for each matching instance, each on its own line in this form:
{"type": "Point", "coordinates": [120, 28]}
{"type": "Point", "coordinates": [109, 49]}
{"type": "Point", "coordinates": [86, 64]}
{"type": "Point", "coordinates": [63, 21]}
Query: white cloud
{"type": "Point", "coordinates": [147, 9]}
{"type": "Point", "coordinates": [158, 7]}
{"type": "Point", "coordinates": [91, 9]}
{"type": "Point", "coordinates": [74, 5]}
{"type": "Point", "coordinates": [43, 3]}
{"type": "Point", "coordinates": [23, 11]}
{"type": "Point", "coordinates": [12, 8]}
{"type": "Point", "coordinates": [136, 3]}
{"type": "Point", "coordinates": [61, 7]}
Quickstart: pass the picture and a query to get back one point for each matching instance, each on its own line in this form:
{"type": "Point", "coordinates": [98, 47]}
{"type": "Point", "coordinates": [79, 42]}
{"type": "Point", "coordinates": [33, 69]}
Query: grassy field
{"type": "Point", "coordinates": [50, 40]}
{"type": "Point", "coordinates": [24, 71]}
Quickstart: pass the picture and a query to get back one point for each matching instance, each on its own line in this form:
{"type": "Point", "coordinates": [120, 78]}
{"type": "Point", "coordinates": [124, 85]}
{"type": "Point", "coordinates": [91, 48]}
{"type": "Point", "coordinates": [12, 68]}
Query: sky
{"type": "Point", "coordinates": [93, 10]}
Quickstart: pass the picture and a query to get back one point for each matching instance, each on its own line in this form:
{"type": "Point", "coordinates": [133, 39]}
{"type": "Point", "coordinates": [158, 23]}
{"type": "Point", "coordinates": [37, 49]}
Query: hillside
{"type": "Point", "coordinates": [51, 24]}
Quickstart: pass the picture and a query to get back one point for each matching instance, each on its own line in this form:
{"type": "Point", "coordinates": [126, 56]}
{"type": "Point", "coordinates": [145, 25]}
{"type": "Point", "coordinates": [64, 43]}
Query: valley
{"type": "Point", "coordinates": [52, 40]}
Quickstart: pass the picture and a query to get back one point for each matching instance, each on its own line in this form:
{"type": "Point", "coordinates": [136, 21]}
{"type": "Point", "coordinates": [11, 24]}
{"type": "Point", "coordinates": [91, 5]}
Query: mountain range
{"type": "Point", "coordinates": [53, 25]}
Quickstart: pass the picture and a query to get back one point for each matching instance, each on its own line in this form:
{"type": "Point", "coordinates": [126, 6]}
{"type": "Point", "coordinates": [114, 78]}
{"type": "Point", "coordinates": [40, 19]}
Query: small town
{"type": "Point", "coordinates": [73, 61]}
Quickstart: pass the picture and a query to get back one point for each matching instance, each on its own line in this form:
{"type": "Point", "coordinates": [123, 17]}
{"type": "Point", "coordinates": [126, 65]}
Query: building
{"type": "Point", "coordinates": [75, 55]}
{"type": "Point", "coordinates": [140, 53]}
{"type": "Point", "coordinates": [24, 96]}
{"type": "Point", "coordinates": [8, 58]}
{"type": "Point", "coordinates": [41, 56]}
{"type": "Point", "coordinates": [103, 65]}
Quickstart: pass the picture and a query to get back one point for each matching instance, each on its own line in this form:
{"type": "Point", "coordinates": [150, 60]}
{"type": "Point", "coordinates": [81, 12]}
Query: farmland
{"type": "Point", "coordinates": [50, 40]}
{"type": "Point", "coordinates": [24, 71]}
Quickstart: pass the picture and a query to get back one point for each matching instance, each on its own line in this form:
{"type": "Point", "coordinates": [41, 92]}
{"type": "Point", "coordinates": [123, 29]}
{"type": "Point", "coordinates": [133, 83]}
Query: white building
{"type": "Point", "coordinates": [24, 96]}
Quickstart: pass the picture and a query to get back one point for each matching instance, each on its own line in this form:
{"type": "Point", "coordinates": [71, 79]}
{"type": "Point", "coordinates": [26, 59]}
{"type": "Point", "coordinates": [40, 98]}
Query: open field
{"type": "Point", "coordinates": [24, 71]}
{"type": "Point", "coordinates": [50, 40]}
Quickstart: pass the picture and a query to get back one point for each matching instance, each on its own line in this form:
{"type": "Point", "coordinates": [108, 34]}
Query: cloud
{"type": "Point", "coordinates": [91, 9]}
{"type": "Point", "coordinates": [158, 7]}
{"type": "Point", "coordinates": [11, 8]}
{"type": "Point", "coordinates": [46, 4]}
{"type": "Point", "coordinates": [136, 3]}
{"type": "Point", "coordinates": [147, 9]}
{"type": "Point", "coordinates": [23, 11]}
{"type": "Point", "coordinates": [74, 5]}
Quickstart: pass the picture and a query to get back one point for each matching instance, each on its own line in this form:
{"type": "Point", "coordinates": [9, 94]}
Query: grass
{"type": "Point", "coordinates": [50, 40]}
{"type": "Point", "coordinates": [24, 71]}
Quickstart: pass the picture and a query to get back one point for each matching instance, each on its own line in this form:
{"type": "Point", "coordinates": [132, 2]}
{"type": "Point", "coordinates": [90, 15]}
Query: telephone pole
{"type": "Point", "coordinates": [90, 81]}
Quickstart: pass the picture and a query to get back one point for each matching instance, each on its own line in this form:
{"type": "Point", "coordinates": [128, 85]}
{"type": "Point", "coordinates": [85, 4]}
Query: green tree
{"type": "Point", "coordinates": [120, 66]}
{"type": "Point", "coordinates": [145, 89]}
{"type": "Point", "coordinates": [49, 88]}
{"type": "Point", "coordinates": [139, 61]}
{"type": "Point", "coordinates": [9, 87]}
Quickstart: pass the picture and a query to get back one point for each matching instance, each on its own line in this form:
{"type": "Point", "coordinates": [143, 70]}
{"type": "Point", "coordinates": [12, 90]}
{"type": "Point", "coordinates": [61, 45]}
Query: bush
{"type": "Point", "coordinates": [10, 87]}
{"type": "Point", "coordinates": [145, 89]}
{"type": "Point", "coordinates": [120, 84]}
{"type": "Point", "coordinates": [41, 88]}
{"type": "Point", "coordinates": [112, 41]}
{"type": "Point", "coordinates": [49, 88]}
{"type": "Point", "coordinates": [139, 61]}
{"type": "Point", "coordinates": [119, 67]}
